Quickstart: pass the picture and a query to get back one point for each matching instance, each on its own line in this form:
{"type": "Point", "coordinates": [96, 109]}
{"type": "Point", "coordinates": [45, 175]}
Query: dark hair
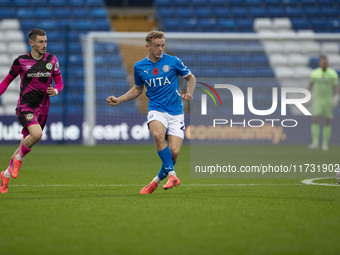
{"type": "Point", "coordinates": [154, 35]}
{"type": "Point", "coordinates": [323, 57]}
{"type": "Point", "coordinates": [35, 32]}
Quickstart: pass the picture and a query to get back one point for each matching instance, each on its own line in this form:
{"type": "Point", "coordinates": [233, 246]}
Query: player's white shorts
{"type": "Point", "coordinates": [174, 124]}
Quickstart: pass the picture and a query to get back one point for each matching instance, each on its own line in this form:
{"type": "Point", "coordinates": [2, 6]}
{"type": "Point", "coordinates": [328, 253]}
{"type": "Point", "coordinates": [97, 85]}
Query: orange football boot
{"type": "Point", "coordinates": [172, 182]}
{"type": "Point", "coordinates": [148, 189]}
{"type": "Point", "coordinates": [4, 183]}
{"type": "Point", "coordinates": [14, 170]}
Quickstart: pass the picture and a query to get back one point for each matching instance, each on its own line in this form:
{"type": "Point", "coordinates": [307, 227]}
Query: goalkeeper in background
{"type": "Point", "coordinates": [325, 93]}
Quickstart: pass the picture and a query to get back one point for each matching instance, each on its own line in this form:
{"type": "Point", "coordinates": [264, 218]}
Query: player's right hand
{"type": "Point", "coordinates": [112, 100]}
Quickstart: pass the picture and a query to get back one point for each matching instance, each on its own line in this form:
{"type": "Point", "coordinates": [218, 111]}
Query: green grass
{"type": "Point", "coordinates": [85, 200]}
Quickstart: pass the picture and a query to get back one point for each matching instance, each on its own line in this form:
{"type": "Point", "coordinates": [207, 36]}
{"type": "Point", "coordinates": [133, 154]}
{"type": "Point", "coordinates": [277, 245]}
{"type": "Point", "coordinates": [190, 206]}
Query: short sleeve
{"type": "Point", "coordinates": [181, 69]}
{"type": "Point", "coordinates": [15, 68]}
{"type": "Point", "coordinates": [138, 81]}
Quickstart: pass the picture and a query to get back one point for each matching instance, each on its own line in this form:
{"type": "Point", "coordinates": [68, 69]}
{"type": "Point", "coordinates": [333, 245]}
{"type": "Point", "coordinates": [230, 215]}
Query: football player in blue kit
{"type": "Point", "coordinates": [159, 72]}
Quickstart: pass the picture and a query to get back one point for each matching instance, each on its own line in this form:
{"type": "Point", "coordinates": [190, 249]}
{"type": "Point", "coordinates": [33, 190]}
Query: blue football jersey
{"type": "Point", "coordinates": [161, 82]}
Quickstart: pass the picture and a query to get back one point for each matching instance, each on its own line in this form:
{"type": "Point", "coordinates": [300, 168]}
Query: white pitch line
{"type": "Point", "coordinates": [311, 182]}
{"type": "Point", "coordinates": [139, 185]}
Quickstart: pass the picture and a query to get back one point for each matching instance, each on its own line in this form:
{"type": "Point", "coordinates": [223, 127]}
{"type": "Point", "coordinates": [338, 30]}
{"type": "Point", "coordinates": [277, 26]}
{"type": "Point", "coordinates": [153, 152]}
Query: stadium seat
{"type": "Point", "coordinates": [21, 3]}
{"type": "Point", "coordinates": [43, 13]}
{"type": "Point", "coordinates": [282, 24]}
{"type": "Point", "coordinates": [14, 36]}
{"type": "Point", "coordinates": [58, 3]}
{"type": "Point", "coordinates": [4, 59]}
{"type": "Point", "coordinates": [10, 24]}
{"type": "Point", "coordinates": [330, 48]}
{"type": "Point", "coordinates": [3, 47]}
{"type": "Point", "coordinates": [262, 24]}
{"type": "Point", "coordinates": [27, 24]}
{"type": "Point", "coordinates": [297, 59]}
{"type": "Point", "coordinates": [8, 13]}
{"type": "Point", "coordinates": [278, 60]}
{"type": "Point", "coordinates": [17, 48]}
{"type": "Point", "coordinates": [25, 13]}
{"type": "Point", "coordinates": [98, 13]}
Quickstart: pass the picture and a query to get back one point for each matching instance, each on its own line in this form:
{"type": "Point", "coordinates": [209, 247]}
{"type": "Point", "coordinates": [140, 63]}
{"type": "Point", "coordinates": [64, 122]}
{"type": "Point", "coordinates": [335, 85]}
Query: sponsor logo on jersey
{"type": "Point", "coordinates": [56, 67]}
{"type": "Point", "coordinates": [166, 68]}
{"type": "Point", "coordinates": [49, 66]}
{"type": "Point", "coordinates": [38, 75]}
{"type": "Point", "coordinates": [160, 81]}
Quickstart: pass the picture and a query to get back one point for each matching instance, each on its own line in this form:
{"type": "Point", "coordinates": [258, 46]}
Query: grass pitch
{"type": "Point", "coordinates": [85, 200]}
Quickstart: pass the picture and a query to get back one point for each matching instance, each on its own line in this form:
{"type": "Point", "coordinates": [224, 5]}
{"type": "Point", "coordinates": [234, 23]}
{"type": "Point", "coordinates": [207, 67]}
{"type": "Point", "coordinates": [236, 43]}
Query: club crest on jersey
{"type": "Point", "coordinates": [166, 68]}
{"type": "Point", "coordinates": [49, 66]}
{"type": "Point", "coordinates": [29, 116]}
{"type": "Point", "coordinates": [155, 71]}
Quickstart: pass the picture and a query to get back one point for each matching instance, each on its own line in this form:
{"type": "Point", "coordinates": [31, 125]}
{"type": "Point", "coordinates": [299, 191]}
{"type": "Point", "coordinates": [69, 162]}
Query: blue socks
{"type": "Point", "coordinates": [167, 165]}
{"type": "Point", "coordinates": [163, 173]}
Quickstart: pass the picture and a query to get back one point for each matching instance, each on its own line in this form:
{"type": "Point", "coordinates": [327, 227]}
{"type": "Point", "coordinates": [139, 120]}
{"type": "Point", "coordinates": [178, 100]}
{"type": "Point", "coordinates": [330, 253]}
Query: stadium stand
{"type": "Point", "coordinates": [67, 20]}
{"type": "Point", "coordinates": [64, 21]}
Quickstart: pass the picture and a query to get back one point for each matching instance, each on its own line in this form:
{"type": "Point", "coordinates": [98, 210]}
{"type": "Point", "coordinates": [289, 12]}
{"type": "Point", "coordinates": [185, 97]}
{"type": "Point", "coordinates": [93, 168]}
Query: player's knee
{"type": "Point", "coordinates": [36, 136]}
{"type": "Point", "coordinates": [159, 137]}
{"type": "Point", "coordinates": [174, 153]}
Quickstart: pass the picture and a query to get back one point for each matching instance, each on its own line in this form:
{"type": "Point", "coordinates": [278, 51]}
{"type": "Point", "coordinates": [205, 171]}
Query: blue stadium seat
{"type": "Point", "coordinates": [59, 3]}
{"type": "Point", "coordinates": [27, 24]}
{"type": "Point", "coordinates": [43, 13]}
{"type": "Point", "coordinates": [300, 23]}
{"type": "Point", "coordinates": [185, 13]}
{"type": "Point", "coordinates": [55, 47]}
{"type": "Point", "coordinates": [170, 24]}
{"type": "Point", "coordinates": [312, 11]}
{"type": "Point", "coordinates": [166, 12]}
{"type": "Point", "coordinates": [293, 12]}
{"type": "Point", "coordinates": [98, 13]}
{"type": "Point", "coordinates": [8, 12]}
{"type": "Point", "coordinates": [101, 25]}
{"type": "Point", "coordinates": [5, 3]}
{"type": "Point", "coordinates": [275, 12]}
{"type": "Point", "coordinates": [244, 25]}
{"type": "Point", "coordinates": [77, 2]}
{"type": "Point", "coordinates": [165, 3]}
{"type": "Point", "coordinates": [199, 3]}
{"type": "Point", "coordinates": [26, 13]}
{"type": "Point", "coordinates": [239, 11]}
{"type": "Point", "coordinates": [226, 24]}
{"type": "Point", "coordinates": [218, 3]}
{"type": "Point", "coordinates": [329, 11]}
{"type": "Point", "coordinates": [82, 24]}
{"type": "Point", "coordinates": [75, 48]}
{"type": "Point", "coordinates": [40, 2]}
{"type": "Point", "coordinates": [61, 13]}
{"type": "Point", "coordinates": [47, 24]}
{"type": "Point", "coordinates": [256, 12]}
{"type": "Point", "coordinates": [77, 12]}
{"type": "Point", "coordinates": [94, 3]}
{"type": "Point", "coordinates": [220, 12]}
{"type": "Point", "coordinates": [180, 3]}
{"type": "Point", "coordinates": [21, 3]}
{"type": "Point", "coordinates": [202, 12]}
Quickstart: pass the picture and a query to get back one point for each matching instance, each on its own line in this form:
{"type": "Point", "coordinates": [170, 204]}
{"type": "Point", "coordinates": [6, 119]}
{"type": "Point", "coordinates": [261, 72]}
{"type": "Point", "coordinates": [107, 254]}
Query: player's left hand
{"type": "Point", "coordinates": [187, 97]}
{"type": "Point", "coordinates": [51, 91]}
{"type": "Point", "coordinates": [335, 100]}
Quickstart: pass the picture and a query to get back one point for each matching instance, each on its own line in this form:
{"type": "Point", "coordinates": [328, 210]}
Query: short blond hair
{"type": "Point", "coordinates": [154, 35]}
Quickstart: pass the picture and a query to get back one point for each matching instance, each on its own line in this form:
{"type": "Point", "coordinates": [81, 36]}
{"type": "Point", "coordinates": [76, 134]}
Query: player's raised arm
{"type": "Point", "coordinates": [191, 85]}
{"type": "Point", "coordinates": [131, 94]}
